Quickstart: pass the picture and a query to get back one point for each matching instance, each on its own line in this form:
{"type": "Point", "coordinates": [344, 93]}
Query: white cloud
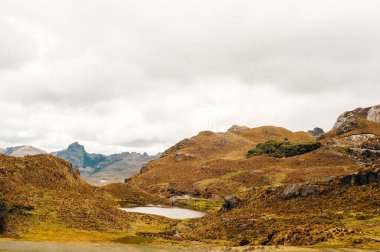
{"type": "Point", "coordinates": [141, 75]}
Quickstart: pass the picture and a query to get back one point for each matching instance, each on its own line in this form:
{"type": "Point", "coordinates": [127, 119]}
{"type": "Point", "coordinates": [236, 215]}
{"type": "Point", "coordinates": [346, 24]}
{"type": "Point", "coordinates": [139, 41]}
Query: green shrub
{"type": "Point", "coordinates": [278, 149]}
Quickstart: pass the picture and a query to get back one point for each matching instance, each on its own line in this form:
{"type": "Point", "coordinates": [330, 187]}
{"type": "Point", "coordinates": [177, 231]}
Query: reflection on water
{"type": "Point", "coordinates": [170, 212]}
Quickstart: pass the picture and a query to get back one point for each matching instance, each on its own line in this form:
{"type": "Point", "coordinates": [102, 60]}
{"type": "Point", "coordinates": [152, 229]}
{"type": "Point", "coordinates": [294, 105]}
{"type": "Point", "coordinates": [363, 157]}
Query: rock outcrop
{"type": "Point", "coordinates": [370, 113]}
{"type": "Point", "coordinates": [230, 202]}
{"type": "Point", "coordinates": [293, 191]}
{"type": "Point", "coordinates": [362, 178]}
{"type": "Point", "coordinates": [183, 156]}
{"type": "Point", "coordinates": [235, 128]}
{"type": "Point", "coordinates": [374, 113]}
{"type": "Point", "coordinates": [316, 131]}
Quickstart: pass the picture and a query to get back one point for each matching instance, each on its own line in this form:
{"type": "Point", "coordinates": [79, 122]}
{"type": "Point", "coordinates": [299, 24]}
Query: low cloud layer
{"type": "Point", "coordinates": [141, 75]}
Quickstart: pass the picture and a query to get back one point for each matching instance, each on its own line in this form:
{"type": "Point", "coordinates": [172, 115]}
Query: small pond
{"type": "Point", "coordinates": [169, 212]}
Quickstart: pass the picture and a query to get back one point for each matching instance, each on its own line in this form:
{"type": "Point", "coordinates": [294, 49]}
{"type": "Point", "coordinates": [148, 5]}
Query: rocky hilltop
{"type": "Point", "coordinates": [98, 168]}
{"type": "Point", "coordinates": [272, 186]}
{"type": "Point", "coordinates": [370, 114]}
{"type": "Point", "coordinates": [21, 151]}
{"type": "Point", "coordinates": [214, 165]}
{"type": "Point", "coordinates": [316, 131]}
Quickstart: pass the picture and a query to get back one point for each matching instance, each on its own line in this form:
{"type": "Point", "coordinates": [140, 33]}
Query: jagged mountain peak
{"type": "Point", "coordinates": [76, 146]}
{"type": "Point", "coordinates": [97, 168]}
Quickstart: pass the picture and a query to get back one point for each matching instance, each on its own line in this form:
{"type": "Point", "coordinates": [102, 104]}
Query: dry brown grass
{"type": "Point", "coordinates": [216, 164]}
{"type": "Point", "coordinates": [42, 192]}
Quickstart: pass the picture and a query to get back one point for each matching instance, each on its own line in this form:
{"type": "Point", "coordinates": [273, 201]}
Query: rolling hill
{"type": "Point", "coordinates": [324, 197]}
{"type": "Point", "coordinates": [44, 197]}
{"type": "Point", "coordinates": [214, 165]}
{"type": "Point", "coordinates": [260, 186]}
{"type": "Point", "coordinates": [21, 151]}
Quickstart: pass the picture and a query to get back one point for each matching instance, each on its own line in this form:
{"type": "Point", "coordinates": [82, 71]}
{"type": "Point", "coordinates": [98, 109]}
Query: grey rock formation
{"type": "Point", "coordinates": [183, 156]}
{"type": "Point", "coordinates": [370, 113]}
{"type": "Point", "coordinates": [176, 147]}
{"type": "Point", "coordinates": [235, 128]}
{"type": "Point", "coordinates": [77, 155]}
{"type": "Point", "coordinates": [293, 191]}
{"type": "Point", "coordinates": [21, 151]}
{"type": "Point", "coordinates": [374, 114]}
{"type": "Point", "coordinates": [316, 131]}
{"type": "Point", "coordinates": [230, 202]}
{"type": "Point", "coordinates": [362, 178]}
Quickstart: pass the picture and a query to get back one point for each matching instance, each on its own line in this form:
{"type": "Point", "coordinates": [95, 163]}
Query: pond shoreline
{"type": "Point", "coordinates": [171, 212]}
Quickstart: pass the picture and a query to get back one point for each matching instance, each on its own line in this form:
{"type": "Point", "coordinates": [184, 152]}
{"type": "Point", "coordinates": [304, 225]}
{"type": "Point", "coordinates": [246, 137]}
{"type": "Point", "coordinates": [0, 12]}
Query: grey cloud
{"type": "Point", "coordinates": [16, 47]}
{"type": "Point", "coordinates": [148, 73]}
{"type": "Point", "coordinates": [145, 142]}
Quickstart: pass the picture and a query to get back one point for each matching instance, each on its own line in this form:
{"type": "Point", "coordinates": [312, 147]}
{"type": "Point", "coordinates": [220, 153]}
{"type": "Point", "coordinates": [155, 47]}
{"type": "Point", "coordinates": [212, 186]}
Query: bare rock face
{"type": "Point", "coordinates": [316, 131]}
{"type": "Point", "coordinates": [230, 202]}
{"type": "Point", "coordinates": [370, 113]}
{"type": "Point", "coordinates": [362, 178]}
{"type": "Point", "coordinates": [294, 191]}
{"type": "Point", "coordinates": [235, 128]}
{"type": "Point", "coordinates": [176, 147]}
{"type": "Point", "coordinates": [183, 156]}
{"type": "Point", "coordinates": [374, 114]}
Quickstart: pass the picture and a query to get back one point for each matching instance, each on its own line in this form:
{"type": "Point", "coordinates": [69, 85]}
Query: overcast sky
{"type": "Point", "coordinates": [142, 75]}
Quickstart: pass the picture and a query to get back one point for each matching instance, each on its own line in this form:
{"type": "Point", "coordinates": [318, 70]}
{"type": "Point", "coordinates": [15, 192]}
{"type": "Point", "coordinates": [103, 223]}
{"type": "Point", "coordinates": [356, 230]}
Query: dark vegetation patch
{"type": "Point", "coordinates": [279, 149]}
{"type": "Point", "coordinates": [3, 217]}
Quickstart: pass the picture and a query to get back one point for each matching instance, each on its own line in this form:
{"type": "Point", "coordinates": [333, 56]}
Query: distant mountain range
{"type": "Point", "coordinates": [99, 168]}
{"type": "Point", "coordinates": [21, 151]}
{"type": "Point", "coordinates": [95, 168]}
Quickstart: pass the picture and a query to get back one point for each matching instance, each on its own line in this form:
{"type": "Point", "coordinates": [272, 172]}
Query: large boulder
{"type": "Point", "coordinates": [294, 191]}
{"type": "Point", "coordinates": [230, 202]}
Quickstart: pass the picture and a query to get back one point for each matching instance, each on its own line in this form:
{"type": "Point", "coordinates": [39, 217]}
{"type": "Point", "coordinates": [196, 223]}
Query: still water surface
{"type": "Point", "coordinates": [170, 212]}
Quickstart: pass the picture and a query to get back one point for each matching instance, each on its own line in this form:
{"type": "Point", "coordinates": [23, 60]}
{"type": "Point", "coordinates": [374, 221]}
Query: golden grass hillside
{"type": "Point", "coordinates": [332, 214]}
{"type": "Point", "coordinates": [214, 165]}
{"type": "Point", "coordinates": [44, 197]}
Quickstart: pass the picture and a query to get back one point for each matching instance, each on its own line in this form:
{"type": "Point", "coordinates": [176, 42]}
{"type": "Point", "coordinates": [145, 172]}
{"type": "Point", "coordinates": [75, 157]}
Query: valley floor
{"type": "Point", "coordinates": [12, 245]}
